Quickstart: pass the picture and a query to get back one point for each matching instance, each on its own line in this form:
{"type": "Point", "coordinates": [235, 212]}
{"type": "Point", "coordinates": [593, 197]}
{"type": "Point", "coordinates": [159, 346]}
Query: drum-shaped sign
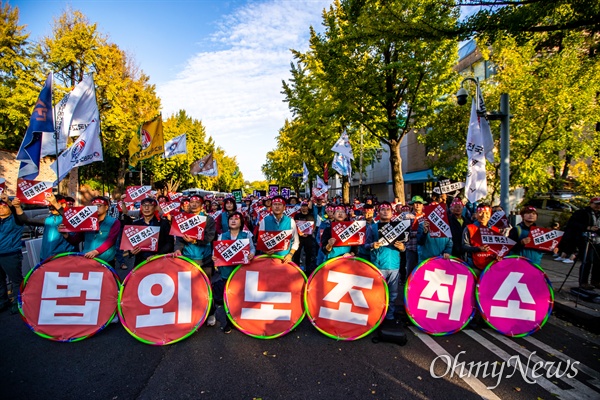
{"type": "Point", "coordinates": [164, 300]}
{"type": "Point", "coordinates": [69, 297]}
{"type": "Point", "coordinates": [263, 299]}
{"type": "Point", "coordinates": [346, 298]}
{"type": "Point", "coordinates": [439, 296]}
{"type": "Point", "coordinates": [515, 296]}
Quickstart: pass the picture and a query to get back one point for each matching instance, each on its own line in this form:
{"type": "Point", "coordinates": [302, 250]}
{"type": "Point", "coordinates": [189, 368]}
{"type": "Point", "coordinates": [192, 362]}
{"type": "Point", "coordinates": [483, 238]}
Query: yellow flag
{"type": "Point", "coordinates": [148, 142]}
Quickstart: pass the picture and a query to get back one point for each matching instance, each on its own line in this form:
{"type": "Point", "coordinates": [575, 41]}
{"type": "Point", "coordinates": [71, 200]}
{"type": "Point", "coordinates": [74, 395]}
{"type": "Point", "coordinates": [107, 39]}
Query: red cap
{"type": "Point", "coordinates": [595, 200]}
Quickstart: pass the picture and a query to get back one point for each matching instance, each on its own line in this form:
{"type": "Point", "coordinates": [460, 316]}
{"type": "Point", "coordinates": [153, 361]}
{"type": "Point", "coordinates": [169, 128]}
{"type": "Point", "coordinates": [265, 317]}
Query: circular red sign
{"type": "Point", "coordinates": [346, 298]}
{"type": "Point", "coordinates": [164, 300]}
{"type": "Point", "coordinates": [69, 297]}
{"type": "Point", "coordinates": [264, 298]}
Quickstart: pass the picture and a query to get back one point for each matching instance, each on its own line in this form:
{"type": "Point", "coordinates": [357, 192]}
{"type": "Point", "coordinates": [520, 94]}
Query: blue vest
{"type": "Point", "coordinates": [534, 255]}
{"type": "Point", "coordinates": [284, 225]}
{"type": "Point", "coordinates": [337, 251]}
{"type": "Point", "coordinates": [93, 240]}
{"type": "Point", "coordinates": [53, 242]}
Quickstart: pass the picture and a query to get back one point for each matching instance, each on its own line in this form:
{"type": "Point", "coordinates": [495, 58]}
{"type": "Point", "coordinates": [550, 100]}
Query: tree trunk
{"type": "Point", "coordinates": [345, 190]}
{"type": "Point", "coordinates": [121, 175]}
{"type": "Point", "coordinates": [396, 164]}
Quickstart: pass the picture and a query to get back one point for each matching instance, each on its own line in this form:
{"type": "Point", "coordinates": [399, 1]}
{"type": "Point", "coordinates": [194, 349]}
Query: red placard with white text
{"type": "Point", "coordinates": [290, 211]}
{"type": "Point", "coordinates": [142, 236]}
{"type": "Point", "coordinates": [439, 225]}
{"type": "Point", "coordinates": [231, 252]}
{"type": "Point", "coordinates": [274, 240]}
{"type": "Point", "coordinates": [188, 224]}
{"type": "Point", "coordinates": [33, 192]}
{"type": "Point", "coordinates": [168, 207]}
{"type": "Point", "coordinates": [81, 219]}
{"type": "Point", "coordinates": [499, 244]}
{"type": "Point", "coordinates": [544, 239]}
{"type": "Point", "coordinates": [2, 185]}
{"type": "Point", "coordinates": [305, 227]}
{"type": "Point", "coordinates": [499, 220]}
{"type": "Point", "coordinates": [349, 233]}
{"type": "Point", "coordinates": [138, 193]}
{"type": "Point", "coordinates": [175, 196]}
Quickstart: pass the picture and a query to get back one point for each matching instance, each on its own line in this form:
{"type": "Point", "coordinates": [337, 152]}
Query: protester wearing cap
{"type": "Point", "coordinates": [585, 222]}
{"type": "Point", "coordinates": [457, 225]}
{"type": "Point", "coordinates": [306, 242]}
{"type": "Point", "coordinates": [53, 242]}
{"type": "Point", "coordinates": [328, 242]}
{"type": "Point", "coordinates": [102, 243]}
{"type": "Point", "coordinates": [520, 234]}
{"type": "Point", "coordinates": [385, 258]}
{"type": "Point", "coordinates": [278, 221]}
{"type": "Point", "coordinates": [148, 217]}
{"type": "Point", "coordinates": [479, 255]}
{"type": "Point", "coordinates": [412, 252]}
{"type": "Point", "coordinates": [199, 250]}
{"type": "Point", "coordinates": [11, 256]}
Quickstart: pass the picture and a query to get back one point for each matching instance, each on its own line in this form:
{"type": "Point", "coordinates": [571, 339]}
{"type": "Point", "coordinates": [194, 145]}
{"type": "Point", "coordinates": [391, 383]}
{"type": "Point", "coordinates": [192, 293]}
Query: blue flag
{"type": "Point", "coordinates": [42, 120]}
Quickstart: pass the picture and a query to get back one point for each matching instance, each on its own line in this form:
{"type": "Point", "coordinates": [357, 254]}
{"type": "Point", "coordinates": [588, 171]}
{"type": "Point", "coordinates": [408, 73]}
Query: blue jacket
{"type": "Point", "coordinates": [10, 233]}
{"type": "Point", "coordinates": [53, 242]}
{"type": "Point", "coordinates": [428, 246]}
{"type": "Point", "coordinates": [385, 257]}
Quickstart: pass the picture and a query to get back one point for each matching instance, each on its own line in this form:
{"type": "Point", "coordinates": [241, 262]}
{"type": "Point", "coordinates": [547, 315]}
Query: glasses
{"type": "Point", "coordinates": [147, 205]}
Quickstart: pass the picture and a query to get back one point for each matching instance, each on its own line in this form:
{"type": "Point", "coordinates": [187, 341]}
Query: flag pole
{"type": "Point", "coordinates": [55, 139]}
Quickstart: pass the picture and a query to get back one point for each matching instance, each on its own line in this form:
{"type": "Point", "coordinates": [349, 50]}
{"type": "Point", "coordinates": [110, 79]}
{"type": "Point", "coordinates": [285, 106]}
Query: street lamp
{"type": "Point", "coordinates": [504, 116]}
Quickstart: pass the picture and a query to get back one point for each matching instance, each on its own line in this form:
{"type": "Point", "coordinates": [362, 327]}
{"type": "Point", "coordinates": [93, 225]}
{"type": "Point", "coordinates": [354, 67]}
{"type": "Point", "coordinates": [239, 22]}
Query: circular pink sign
{"type": "Point", "coordinates": [515, 296]}
{"type": "Point", "coordinates": [440, 296]}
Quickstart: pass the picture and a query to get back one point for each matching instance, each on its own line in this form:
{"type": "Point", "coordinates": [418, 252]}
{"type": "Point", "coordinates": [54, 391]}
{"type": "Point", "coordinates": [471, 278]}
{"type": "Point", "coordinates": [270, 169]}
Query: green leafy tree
{"type": "Point", "coordinates": [21, 78]}
{"type": "Point", "coordinates": [377, 79]}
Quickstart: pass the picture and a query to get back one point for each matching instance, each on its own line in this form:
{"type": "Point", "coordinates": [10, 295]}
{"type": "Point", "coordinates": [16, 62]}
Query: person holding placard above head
{"type": "Point", "coordinates": [53, 242]}
{"type": "Point", "coordinates": [234, 232]}
{"type": "Point", "coordinates": [386, 256]}
{"type": "Point", "coordinates": [278, 221]}
{"type": "Point", "coordinates": [328, 242]}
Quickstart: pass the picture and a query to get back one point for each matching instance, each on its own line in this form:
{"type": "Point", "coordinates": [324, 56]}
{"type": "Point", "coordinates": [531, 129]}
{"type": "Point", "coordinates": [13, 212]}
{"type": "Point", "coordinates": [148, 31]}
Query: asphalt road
{"type": "Point", "coordinates": [304, 364]}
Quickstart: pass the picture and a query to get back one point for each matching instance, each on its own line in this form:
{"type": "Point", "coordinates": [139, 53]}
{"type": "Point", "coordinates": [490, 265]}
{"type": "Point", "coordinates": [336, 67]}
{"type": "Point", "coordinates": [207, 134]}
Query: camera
{"type": "Point", "coordinates": [461, 96]}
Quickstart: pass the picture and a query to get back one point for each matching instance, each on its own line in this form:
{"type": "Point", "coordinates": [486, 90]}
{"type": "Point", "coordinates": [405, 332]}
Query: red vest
{"type": "Point", "coordinates": [480, 258]}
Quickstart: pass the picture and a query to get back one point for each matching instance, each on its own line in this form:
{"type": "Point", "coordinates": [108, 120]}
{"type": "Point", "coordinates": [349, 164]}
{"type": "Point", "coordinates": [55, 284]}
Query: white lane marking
{"type": "Point", "coordinates": [561, 356]}
{"type": "Point", "coordinates": [543, 382]}
{"type": "Point", "coordinates": [581, 389]}
{"type": "Point", "coordinates": [475, 384]}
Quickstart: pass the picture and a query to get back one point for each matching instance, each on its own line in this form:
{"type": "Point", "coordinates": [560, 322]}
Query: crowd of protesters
{"type": "Point", "coordinates": [228, 220]}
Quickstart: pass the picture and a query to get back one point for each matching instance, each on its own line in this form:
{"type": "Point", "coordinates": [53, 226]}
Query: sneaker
{"type": "Point", "coordinates": [586, 286]}
{"type": "Point", "coordinates": [568, 261]}
{"type": "Point", "coordinates": [560, 259]}
{"type": "Point", "coordinates": [211, 321]}
{"type": "Point", "coordinates": [226, 329]}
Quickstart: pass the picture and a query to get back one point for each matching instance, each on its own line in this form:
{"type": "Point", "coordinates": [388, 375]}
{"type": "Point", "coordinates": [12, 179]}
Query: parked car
{"type": "Point", "coordinates": [552, 210]}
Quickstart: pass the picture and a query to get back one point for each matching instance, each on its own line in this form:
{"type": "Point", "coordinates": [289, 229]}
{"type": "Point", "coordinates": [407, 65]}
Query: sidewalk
{"type": "Point", "coordinates": [566, 305]}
